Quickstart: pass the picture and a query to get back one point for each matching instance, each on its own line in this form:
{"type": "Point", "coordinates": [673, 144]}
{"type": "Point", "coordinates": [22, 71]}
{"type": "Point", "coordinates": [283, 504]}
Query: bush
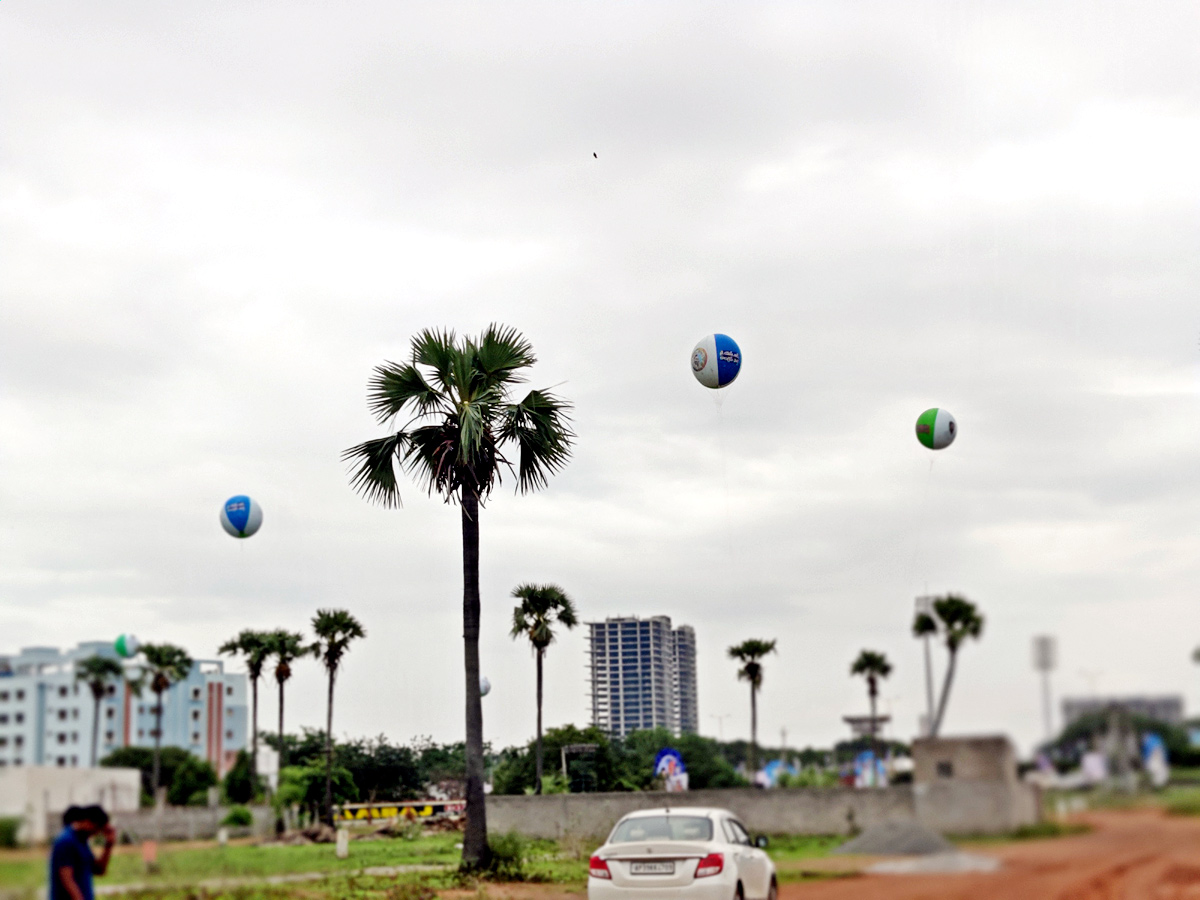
{"type": "Point", "coordinates": [239, 782]}
{"type": "Point", "coordinates": [508, 857]}
{"type": "Point", "coordinates": [10, 830]}
{"type": "Point", "coordinates": [238, 817]}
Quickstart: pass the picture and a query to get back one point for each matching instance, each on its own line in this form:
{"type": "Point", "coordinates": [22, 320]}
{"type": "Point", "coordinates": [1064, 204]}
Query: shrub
{"type": "Point", "coordinates": [10, 831]}
{"type": "Point", "coordinates": [508, 857]}
{"type": "Point", "coordinates": [238, 817]}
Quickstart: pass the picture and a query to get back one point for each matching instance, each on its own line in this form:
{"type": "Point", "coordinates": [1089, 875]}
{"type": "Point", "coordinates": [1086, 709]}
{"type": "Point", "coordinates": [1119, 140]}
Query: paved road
{"type": "Point", "coordinates": [1139, 855]}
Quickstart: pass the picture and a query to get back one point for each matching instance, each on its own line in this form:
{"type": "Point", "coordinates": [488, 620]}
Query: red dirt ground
{"type": "Point", "coordinates": [1142, 855]}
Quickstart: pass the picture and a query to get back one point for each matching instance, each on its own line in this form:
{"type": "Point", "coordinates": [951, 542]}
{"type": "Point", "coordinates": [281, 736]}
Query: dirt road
{"type": "Point", "coordinates": [1129, 856]}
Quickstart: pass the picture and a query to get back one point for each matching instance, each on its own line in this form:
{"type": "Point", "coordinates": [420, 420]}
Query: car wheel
{"type": "Point", "coordinates": [773, 893]}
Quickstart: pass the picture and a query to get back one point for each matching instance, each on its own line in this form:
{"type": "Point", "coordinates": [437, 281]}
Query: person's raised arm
{"type": "Point", "coordinates": [110, 837]}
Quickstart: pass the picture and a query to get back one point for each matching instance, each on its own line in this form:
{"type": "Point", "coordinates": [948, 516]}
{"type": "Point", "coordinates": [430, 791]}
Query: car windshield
{"type": "Point", "coordinates": [663, 828]}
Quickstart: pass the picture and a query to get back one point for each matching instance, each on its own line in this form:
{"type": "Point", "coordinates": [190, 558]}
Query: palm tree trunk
{"type": "Point", "coordinates": [753, 731]}
{"type": "Point", "coordinates": [329, 754]}
{"type": "Point", "coordinates": [475, 853]}
{"type": "Point", "coordinates": [282, 748]}
{"type": "Point", "coordinates": [95, 727]}
{"type": "Point", "coordinates": [872, 691]}
{"type": "Point", "coordinates": [254, 734]}
{"type": "Point", "coordinates": [157, 740]}
{"type": "Point", "coordinates": [936, 728]}
{"type": "Point", "coordinates": [538, 783]}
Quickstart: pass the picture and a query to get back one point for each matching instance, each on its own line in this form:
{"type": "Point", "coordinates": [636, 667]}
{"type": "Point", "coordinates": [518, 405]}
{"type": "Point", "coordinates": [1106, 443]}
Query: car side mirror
{"type": "Point", "coordinates": [761, 842]}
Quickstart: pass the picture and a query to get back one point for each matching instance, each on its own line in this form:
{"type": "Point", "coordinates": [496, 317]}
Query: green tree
{"type": "Point", "coordinates": [706, 765]}
{"type": "Point", "coordinates": [953, 618]}
{"type": "Point", "coordinates": [750, 653]}
{"type": "Point", "coordinates": [541, 606]}
{"type": "Point", "coordinates": [334, 629]}
{"type": "Point", "coordinates": [240, 784]}
{"type": "Point", "coordinates": [166, 664]}
{"type": "Point", "coordinates": [171, 759]}
{"type": "Point", "coordinates": [872, 666]}
{"type": "Point", "coordinates": [255, 648]}
{"type": "Point", "coordinates": [191, 781]}
{"type": "Point", "coordinates": [98, 673]}
{"type": "Point", "coordinates": [459, 396]}
{"type": "Point", "coordinates": [286, 647]}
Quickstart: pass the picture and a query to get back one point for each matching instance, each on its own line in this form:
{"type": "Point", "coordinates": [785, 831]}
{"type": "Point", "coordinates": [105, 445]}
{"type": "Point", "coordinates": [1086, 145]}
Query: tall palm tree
{"type": "Point", "coordinates": [335, 629]}
{"type": "Point", "coordinates": [541, 606]}
{"type": "Point", "coordinates": [166, 664]}
{"type": "Point", "coordinates": [255, 646]}
{"type": "Point", "coordinates": [749, 653]}
{"type": "Point", "coordinates": [98, 672]}
{"type": "Point", "coordinates": [458, 394]}
{"type": "Point", "coordinates": [286, 647]}
{"type": "Point", "coordinates": [873, 666]}
{"type": "Point", "coordinates": [953, 618]}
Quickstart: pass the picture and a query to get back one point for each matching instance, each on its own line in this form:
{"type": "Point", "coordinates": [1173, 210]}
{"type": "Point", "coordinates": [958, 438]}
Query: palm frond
{"type": "Point", "coordinates": [375, 475]}
{"type": "Point", "coordinates": [439, 351]}
{"type": "Point", "coordinates": [501, 353]}
{"type": "Point", "coordinates": [542, 431]}
{"type": "Point", "coordinates": [394, 386]}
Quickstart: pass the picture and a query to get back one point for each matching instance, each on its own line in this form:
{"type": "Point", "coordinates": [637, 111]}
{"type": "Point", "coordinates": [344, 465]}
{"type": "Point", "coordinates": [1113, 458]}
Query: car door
{"type": "Point", "coordinates": [752, 862]}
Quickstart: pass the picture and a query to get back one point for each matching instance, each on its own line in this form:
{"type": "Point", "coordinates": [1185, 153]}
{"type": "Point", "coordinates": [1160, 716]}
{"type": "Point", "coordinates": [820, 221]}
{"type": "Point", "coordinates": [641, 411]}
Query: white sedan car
{"type": "Point", "coordinates": [684, 852]}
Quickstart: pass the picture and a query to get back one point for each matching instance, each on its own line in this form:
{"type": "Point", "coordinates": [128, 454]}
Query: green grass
{"type": "Point", "coordinates": [192, 864]}
{"type": "Point", "coordinates": [790, 847]}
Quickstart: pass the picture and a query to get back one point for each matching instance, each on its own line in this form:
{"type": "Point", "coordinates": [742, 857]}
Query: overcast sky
{"type": "Point", "coordinates": [216, 218]}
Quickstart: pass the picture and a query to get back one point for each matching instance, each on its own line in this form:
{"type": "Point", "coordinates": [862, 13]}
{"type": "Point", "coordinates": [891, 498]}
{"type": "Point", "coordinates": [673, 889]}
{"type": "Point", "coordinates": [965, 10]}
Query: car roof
{"type": "Point", "coordinates": [679, 811]}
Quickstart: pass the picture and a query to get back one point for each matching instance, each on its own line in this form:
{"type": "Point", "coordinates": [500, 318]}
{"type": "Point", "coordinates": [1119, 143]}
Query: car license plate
{"type": "Point", "coordinates": [652, 868]}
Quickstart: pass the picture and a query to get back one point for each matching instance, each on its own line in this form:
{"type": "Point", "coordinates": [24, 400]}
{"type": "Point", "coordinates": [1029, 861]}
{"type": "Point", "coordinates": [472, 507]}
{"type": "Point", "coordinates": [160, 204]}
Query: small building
{"type": "Point", "coordinates": [967, 785]}
{"type": "Point", "coordinates": [1165, 708]}
{"type": "Point", "coordinates": [34, 793]}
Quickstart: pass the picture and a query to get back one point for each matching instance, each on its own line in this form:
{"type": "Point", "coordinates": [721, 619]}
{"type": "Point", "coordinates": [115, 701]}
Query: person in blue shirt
{"type": "Point", "coordinates": [72, 863]}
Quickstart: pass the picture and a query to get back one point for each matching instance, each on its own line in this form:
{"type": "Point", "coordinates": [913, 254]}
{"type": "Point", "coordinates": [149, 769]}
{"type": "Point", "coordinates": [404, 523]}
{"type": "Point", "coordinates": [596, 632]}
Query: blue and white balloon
{"type": "Point", "coordinates": [241, 516]}
{"type": "Point", "coordinates": [716, 361]}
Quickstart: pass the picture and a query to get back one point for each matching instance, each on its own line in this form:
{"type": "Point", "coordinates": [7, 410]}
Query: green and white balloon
{"type": "Point", "coordinates": [127, 646]}
{"type": "Point", "coordinates": [936, 428]}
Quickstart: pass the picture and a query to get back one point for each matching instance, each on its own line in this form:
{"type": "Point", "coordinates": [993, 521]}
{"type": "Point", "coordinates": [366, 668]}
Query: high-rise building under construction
{"type": "Point", "coordinates": [643, 675]}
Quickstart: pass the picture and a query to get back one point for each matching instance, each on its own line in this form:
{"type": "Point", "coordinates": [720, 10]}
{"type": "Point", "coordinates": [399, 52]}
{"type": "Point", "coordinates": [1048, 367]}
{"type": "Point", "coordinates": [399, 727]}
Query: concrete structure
{"type": "Point", "coordinates": [961, 786]}
{"type": "Point", "coordinates": [39, 794]}
{"type": "Point", "coordinates": [1165, 708]}
{"type": "Point", "coordinates": [642, 675]}
{"type": "Point", "coordinates": [46, 715]}
{"type": "Point", "coordinates": [970, 785]}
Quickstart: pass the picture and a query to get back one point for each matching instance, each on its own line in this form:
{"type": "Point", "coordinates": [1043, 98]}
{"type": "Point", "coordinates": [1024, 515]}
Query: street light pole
{"type": "Point", "coordinates": [1045, 658]}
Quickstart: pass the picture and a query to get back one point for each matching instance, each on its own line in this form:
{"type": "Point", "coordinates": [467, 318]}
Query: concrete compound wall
{"type": "Point", "coordinates": [179, 823]}
{"type": "Point", "coordinates": [952, 807]}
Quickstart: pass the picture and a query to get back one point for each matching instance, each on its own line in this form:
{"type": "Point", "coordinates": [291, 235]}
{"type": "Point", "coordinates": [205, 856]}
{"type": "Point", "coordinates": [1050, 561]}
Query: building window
{"type": "Point", "coordinates": [141, 710]}
{"type": "Point", "coordinates": [62, 737]}
{"type": "Point", "coordinates": [4, 696]}
{"type": "Point", "coordinates": [19, 741]}
{"type": "Point", "coordinates": [74, 737]}
{"type": "Point", "coordinates": [195, 737]}
{"type": "Point", "coordinates": [195, 715]}
{"type": "Point", "coordinates": [62, 715]}
{"type": "Point", "coordinates": [74, 760]}
{"type": "Point", "coordinates": [112, 690]}
{"type": "Point", "coordinates": [229, 691]}
{"type": "Point", "coordinates": [62, 691]}
{"type": "Point", "coordinates": [19, 718]}
{"type": "Point", "coordinates": [195, 693]}
{"type": "Point", "coordinates": [62, 761]}
{"type": "Point", "coordinates": [154, 732]}
{"type": "Point", "coordinates": [109, 713]}
{"type": "Point", "coordinates": [229, 735]}
{"type": "Point", "coordinates": [141, 733]}
{"type": "Point", "coordinates": [18, 762]}
{"type": "Point", "coordinates": [108, 736]}
{"type": "Point", "coordinates": [3, 742]}
{"type": "Point", "coordinates": [945, 768]}
{"type": "Point", "coordinates": [3, 719]}
{"type": "Point", "coordinates": [20, 695]}
{"type": "Point", "coordinates": [74, 714]}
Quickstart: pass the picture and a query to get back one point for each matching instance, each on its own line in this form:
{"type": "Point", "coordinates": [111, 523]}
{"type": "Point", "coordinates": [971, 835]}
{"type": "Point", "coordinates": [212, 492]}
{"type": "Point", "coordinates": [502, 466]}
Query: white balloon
{"type": "Point", "coordinates": [485, 686]}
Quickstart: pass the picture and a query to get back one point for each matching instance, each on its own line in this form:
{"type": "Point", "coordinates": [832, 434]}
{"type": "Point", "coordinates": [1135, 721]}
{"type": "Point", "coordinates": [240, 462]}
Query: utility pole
{"type": "Point", "coordinates": [1045, 658]}
{"type": "Point", "coordinates": [720, 724]}
{"type": "Point", "coordinates": [924, 604]}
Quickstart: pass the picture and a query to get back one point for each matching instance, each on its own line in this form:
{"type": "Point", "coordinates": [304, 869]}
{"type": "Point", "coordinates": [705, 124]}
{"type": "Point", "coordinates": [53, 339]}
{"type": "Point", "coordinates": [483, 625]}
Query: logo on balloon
{"type": "Point", "coordinates": [699, 359]}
